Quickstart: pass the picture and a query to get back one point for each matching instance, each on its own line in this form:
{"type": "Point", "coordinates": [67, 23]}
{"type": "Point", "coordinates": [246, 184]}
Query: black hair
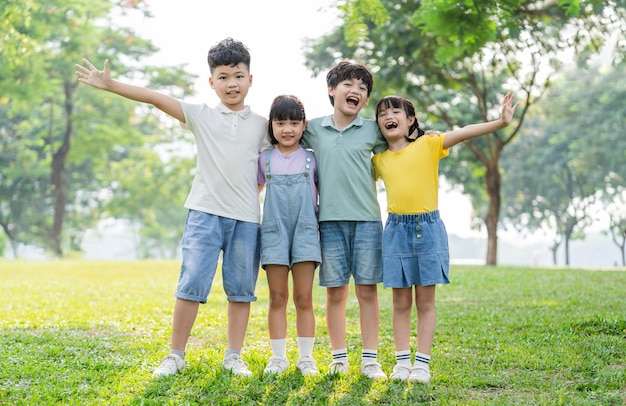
{"type": "Point", "coordinates": [399, 102]}
{"type": "Point", "coordinates": [285, 107]}
{"type": "Point", "coordinates": [348, 70]}
{"type": "Point", "coordinates": [228, 52]}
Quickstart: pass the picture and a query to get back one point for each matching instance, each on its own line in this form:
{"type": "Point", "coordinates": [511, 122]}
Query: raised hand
{"type": "Point", "coordinates": [100, 79]}
{"type": "Point", "coordinates": [508, 109]}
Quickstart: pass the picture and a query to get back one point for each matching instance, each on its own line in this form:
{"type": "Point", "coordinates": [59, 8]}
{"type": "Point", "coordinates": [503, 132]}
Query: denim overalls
{"type": "Point", "coordinates": [289, 231]}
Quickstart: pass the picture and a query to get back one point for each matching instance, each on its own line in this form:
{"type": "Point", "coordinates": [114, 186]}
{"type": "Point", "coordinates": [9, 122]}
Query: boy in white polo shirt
{"type": "Point", "coordinates": [223, 204]}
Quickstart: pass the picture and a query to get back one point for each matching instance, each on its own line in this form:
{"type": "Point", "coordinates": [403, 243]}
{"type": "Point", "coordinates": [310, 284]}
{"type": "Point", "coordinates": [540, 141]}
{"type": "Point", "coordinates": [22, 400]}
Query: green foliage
{"type": "Point", "coordinates": [455, 59]}
{"type": "Point", "coordinates": [136, 184]}
{"type": "Point", "coordinates": [570, 154]}
{"type": "Point", "coordinates": [357, 13]}
{"type": "Point", "coordinates": [62, 138]}
{"type": "Point", "coordinates": [505, 335]}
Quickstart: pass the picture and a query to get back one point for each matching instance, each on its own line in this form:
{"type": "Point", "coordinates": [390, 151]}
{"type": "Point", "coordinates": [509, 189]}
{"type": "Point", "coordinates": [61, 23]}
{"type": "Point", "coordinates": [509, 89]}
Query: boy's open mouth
{"type": "Point", "coordinates": [352, 100]}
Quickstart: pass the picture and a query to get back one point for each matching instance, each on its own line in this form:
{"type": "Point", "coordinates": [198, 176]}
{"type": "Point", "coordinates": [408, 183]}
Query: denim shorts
{"type": "Point", "coordinates": [351, 248]}
{"type": "Point", "coordinates": [281, 246]}
{"type": "Point", "coordinates": [204, 237]}
{"type": "Point", "coordinates": [415, 250]}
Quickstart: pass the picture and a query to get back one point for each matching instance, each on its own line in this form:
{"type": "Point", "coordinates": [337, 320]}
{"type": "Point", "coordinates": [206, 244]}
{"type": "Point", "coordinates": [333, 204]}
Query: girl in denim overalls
{"type": "Point", "coordinates": [289, 232]}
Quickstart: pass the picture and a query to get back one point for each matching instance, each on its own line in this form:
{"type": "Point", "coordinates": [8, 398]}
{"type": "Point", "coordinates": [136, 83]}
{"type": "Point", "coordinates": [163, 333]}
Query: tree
{"type": "Point", "coordinates": [454, 58]}
{"type": "Point", "coordinates": [140, 181]}
{"type": "Point", "coordinates": [78, 131]}
{"type": "Point", "coordinates": [570, 156]}
{"type": "Point", "coordinates": [23, 176]}
{"type": "Point", "coordinates": [617, 224]}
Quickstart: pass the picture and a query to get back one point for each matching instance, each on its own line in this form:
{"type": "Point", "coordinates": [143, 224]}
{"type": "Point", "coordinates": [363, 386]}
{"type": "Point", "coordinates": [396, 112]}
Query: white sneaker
{"type": "Point", "coordinates": [419, 374]}
{"type": "Point", "coordinates": [235, 364]}
{"type": "Point", "coordinates": [171, 365]}
{"type": "Point", "coordinates": [400, 373]}
{"type": "Point", "coordinates": [373, 371]}
{"type": "Point", "coordinates": [338, 367]}
{"type": "Point", "coordinates": [307, 366]}
{"type": "Point", "coordinates": [276, 365]}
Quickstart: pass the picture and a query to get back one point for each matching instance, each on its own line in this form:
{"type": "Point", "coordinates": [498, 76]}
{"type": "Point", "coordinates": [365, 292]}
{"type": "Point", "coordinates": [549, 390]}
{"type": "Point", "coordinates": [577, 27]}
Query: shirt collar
{"type": "Point", "coordinates": [241, 113]}
{"type": "Point", "coordinates": [328, 122]}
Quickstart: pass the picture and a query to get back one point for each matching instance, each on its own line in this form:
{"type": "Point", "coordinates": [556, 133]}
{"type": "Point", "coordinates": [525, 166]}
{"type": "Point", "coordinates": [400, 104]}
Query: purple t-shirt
{"type": "Point", "coordinates": [287, 165]}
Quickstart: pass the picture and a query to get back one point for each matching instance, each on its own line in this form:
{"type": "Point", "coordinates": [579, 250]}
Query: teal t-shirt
{"type": "Point", "coordinates": [345, 173]}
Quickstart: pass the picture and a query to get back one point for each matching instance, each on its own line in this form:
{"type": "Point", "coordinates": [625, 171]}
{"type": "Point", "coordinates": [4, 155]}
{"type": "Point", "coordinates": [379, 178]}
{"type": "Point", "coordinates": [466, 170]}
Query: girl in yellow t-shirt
{"type": "Point", "coordinates": [415, 242]}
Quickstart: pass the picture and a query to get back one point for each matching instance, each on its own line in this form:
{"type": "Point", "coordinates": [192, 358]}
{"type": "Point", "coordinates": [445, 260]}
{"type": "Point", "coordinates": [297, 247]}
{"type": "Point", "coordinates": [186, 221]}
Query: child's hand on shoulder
{"type": "Point", "coordinates": [432, 133]}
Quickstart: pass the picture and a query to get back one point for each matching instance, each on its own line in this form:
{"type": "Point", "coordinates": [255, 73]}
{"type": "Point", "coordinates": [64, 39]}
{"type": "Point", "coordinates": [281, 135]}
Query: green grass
{"type": "Point", "coordinates": [89, 333]}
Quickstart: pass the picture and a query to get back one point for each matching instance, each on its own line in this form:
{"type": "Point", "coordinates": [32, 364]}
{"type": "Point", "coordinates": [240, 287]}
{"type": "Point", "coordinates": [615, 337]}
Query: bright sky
{"type": "Point", "coordinates": [273, 30]}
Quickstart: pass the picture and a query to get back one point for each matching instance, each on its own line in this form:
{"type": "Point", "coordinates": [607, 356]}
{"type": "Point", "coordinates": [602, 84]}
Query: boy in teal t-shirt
{"type": "Point", "coordinates": [349, 214]}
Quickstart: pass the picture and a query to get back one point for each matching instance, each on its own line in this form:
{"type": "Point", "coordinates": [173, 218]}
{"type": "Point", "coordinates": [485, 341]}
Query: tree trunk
{"type": "Point", "coordinates": [58, 179]}
{"type": "Point", "coordinates": [12, 240]}
{"type": "Point", "coordinates": [493, 183]}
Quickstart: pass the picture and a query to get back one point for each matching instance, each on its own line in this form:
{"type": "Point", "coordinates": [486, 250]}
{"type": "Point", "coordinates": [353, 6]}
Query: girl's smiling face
{"type": "Point", "coordinates": [393, 122]}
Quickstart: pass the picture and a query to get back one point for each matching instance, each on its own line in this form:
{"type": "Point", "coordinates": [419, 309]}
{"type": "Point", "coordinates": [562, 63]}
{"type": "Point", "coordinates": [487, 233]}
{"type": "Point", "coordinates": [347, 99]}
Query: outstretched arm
{"type": "Point", "coordinates": [476, 130]}
{"type": "Point", "coordinates": [101, 79]}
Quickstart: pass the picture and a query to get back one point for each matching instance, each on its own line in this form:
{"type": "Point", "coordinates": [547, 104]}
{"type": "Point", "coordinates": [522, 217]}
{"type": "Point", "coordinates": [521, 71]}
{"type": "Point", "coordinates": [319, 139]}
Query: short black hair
{"type": "Point", "coordinates": [285, 107]}
{"type": "Point", "coordinates": [228, 52]}
{"type": "Point", "coordinates": [346, 70]}
{"type": "Point", "coordinates": [399, 102]}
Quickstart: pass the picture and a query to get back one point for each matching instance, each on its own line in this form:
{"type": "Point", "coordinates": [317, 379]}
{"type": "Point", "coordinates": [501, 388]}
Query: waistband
{"type": "Point", "coordinates": [413, 218]}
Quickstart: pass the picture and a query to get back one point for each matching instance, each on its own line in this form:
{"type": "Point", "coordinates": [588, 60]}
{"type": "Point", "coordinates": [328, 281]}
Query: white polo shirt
{"type": "Point", "coordinates": [228, 144]}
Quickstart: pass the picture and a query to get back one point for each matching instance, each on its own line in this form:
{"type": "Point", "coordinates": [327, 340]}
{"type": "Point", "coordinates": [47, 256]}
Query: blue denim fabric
{"type": "Point", "coordinates": [289, 231]}
{"type": "Point", "coordinates": [351, 248]}
{"type": "Point", "coordinates": [204, 237]}
{"type": "Point", "coordinates": [415, 250]}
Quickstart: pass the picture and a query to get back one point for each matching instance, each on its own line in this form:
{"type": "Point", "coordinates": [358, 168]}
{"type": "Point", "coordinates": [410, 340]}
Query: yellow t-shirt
{"type": "Point", "coordinates": [411, 175]}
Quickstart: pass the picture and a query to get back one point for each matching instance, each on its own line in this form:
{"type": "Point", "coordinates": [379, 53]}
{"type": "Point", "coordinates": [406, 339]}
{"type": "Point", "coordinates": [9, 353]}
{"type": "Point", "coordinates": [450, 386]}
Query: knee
{"type": "Point", "coordinates": [336, 296]}
{"type": "Point", "coordinates": [367, 293]}
{"type": "Point", "coordinates": [303, 301]}
{"type": "Point", "coordinates": [278, 299]}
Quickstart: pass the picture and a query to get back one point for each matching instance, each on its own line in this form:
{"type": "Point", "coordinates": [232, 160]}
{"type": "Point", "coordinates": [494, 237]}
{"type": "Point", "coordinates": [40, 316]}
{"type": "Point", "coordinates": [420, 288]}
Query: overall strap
{"type": "Point", "coordinates": [307, 162]}
{"type": "Point", "coordinates": [268, 155]}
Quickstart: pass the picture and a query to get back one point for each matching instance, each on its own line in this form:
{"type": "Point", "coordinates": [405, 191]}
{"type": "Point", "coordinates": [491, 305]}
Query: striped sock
{"type": "Point", "coordinates": [422, 361]}
{"type": "Point", "coordinates": [340, 355]}
{"type": "Point", "coordinates": [368, 357]}
{"type": "Point", "coordinates": [404, 358]}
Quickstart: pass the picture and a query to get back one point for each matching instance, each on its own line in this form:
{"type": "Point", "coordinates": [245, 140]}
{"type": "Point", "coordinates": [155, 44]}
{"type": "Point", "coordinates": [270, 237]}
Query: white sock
{"type": "Point", "coordinates": [368, 357]}
{"type": "Point", "coordinates": [340, 355]}
{"type": "Point", "coordinates": [421, 361]}
{"type": "Point", "coordinates": [305, 346]}
{"type": "Point", "coordinates": [404, 358]}
{"type": "Point", "coordinates": [279, 347]}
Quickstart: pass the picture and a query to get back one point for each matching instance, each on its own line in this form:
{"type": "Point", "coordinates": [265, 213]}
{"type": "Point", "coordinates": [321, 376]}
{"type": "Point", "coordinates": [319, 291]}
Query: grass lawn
{"type": "Point", "coordinates": [91, 332]}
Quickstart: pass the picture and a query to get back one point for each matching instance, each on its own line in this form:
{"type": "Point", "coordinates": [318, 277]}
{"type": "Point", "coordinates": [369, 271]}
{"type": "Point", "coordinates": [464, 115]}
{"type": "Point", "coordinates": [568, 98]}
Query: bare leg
{"type": "Point", "coordinates": [185, 313]}
{"type": "Point", "coordinates": [336, 315]}
{"type": "Point", "coordinates": [426, 315]}
{"type": "Point", "coordinates": [303, 274]}
{"type": "Point", "coordinates": [278, 282]}
{"type": "Point", "coordinates": [369, 314]}
{"type": "Point", "coordinates": [402, 307]}
{"type": "Point", "coordinates": [238, 315]}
